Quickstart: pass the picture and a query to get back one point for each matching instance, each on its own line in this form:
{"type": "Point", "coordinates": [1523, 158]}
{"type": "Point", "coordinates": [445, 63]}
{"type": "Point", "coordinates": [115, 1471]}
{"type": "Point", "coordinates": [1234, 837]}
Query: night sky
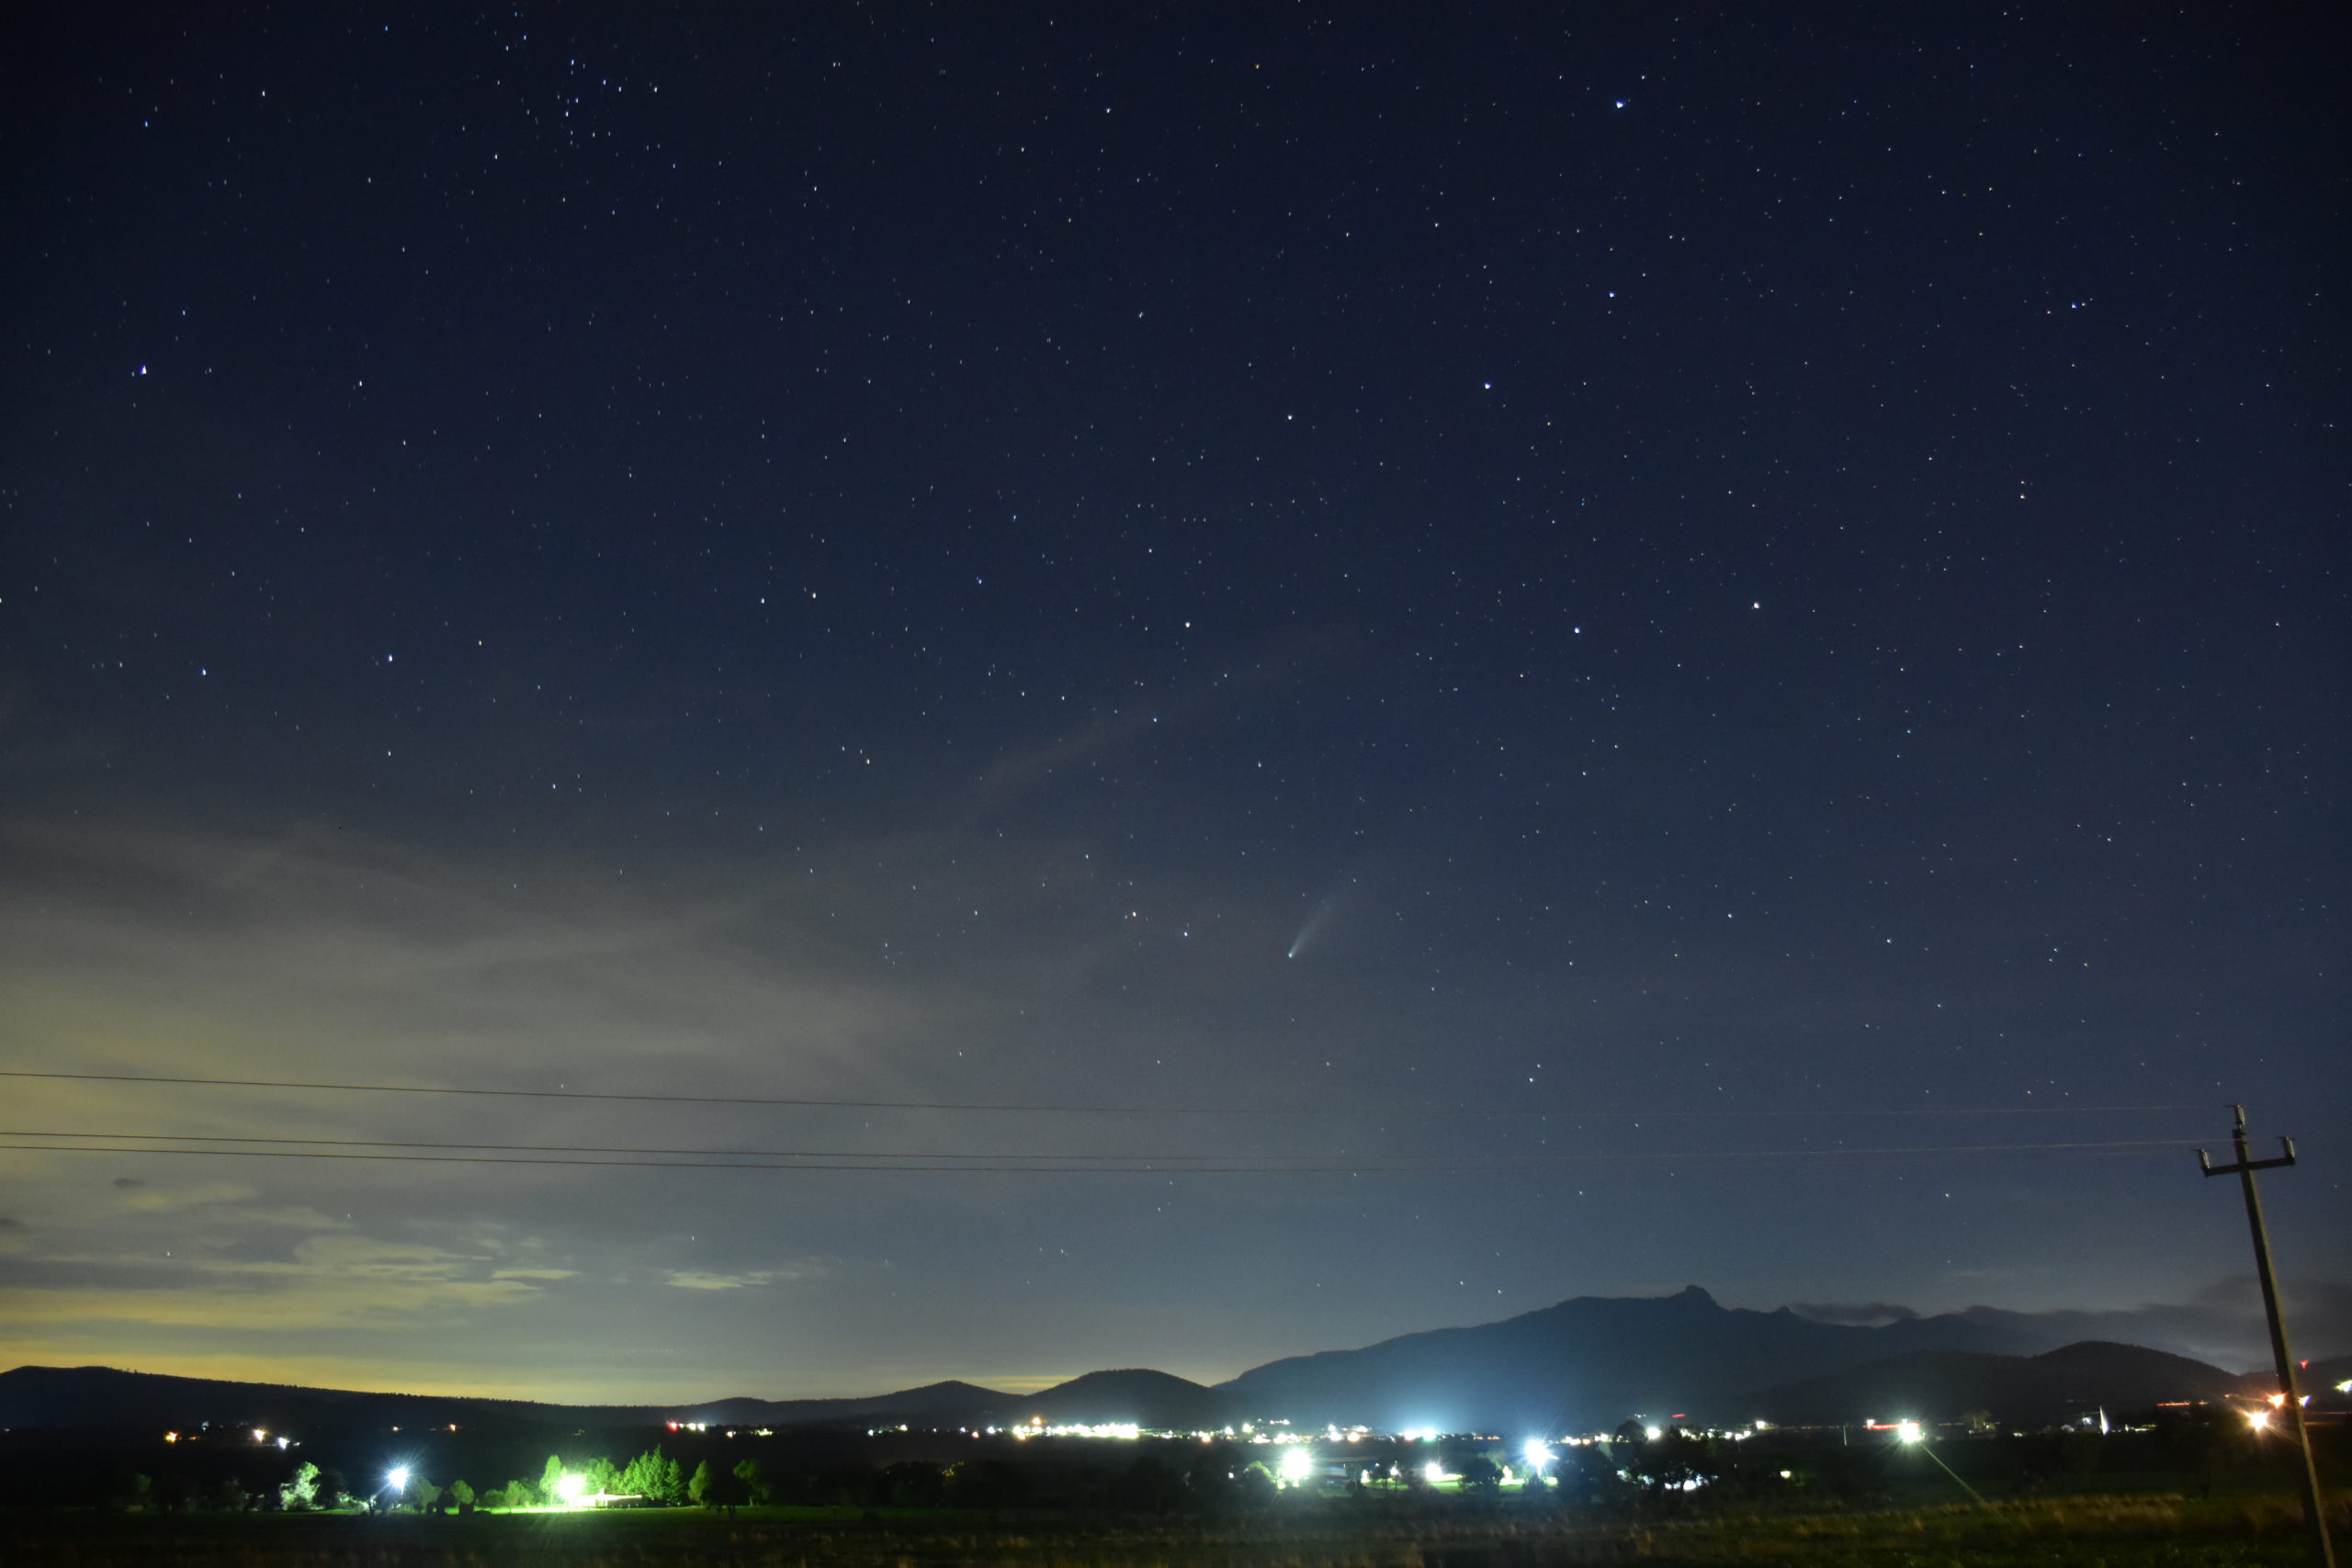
{"type": "Point", "coordinates": [1350, 673]}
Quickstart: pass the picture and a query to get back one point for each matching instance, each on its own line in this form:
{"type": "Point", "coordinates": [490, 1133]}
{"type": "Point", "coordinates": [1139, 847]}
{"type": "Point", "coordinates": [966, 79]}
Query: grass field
{"type": "Point", "coordinates": [2257, 1530]}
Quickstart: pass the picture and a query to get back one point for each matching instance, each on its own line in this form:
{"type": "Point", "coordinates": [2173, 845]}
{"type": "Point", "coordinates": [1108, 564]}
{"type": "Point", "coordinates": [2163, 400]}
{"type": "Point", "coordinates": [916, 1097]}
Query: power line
{"type": "Point", "coordinates": [627, 1156]}
{"type": "Point", "coordinates": [1040, 1109]}
{"type": "Point", "coordinates": [633, 1149]}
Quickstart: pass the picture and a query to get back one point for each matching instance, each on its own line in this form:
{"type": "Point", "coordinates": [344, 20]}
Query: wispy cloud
{"type": "Point", "coordinates": [707, 1279]}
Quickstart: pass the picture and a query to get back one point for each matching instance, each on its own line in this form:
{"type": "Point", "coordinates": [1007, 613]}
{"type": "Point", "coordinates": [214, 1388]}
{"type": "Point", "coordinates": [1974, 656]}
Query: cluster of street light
{"type": "Point", "coordinates": [1299, 1460]}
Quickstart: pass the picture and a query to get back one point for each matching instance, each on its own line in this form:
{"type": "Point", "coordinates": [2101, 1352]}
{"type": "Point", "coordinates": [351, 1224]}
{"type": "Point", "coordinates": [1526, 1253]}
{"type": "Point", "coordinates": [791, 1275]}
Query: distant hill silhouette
{"type": "Point", "coordinates": [2019, 1391]}
{"type": "Point", "coordinates": [103, 1397]}
{"type": "Point", "coordinates": [1146, 1398]}
{"type": "Point", "coordinates": [1588, 1363]}
{"type": "Point", "coordinates": [950, 1403]}
{"type": "Point", "coordinates": [1582, 1365]}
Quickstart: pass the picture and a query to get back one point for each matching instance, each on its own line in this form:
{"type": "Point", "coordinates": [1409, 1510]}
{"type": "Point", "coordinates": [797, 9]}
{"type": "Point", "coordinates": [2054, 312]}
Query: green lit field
{"type": "Point", "coordinates": [2257, 1528]}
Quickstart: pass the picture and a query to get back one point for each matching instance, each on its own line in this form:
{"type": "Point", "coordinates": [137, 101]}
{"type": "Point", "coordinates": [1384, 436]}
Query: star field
{"type": "Point", "coordinates": [1728, 632]}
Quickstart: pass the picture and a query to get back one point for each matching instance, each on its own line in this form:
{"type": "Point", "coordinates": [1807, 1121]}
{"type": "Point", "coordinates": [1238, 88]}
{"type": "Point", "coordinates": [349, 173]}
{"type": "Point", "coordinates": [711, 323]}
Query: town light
{"type": "Point", "coordinates": [568, 1489]}
{"type": "Point", "coordinates": [1653, 1433]}
{"type": "Point", "coordinates": [1297, 1465]}
{"type": "Point", "coordinates": [2258, 1419]}
{"type": "Point", "coordinates": [1908, 1432]}
{"type": "Point", "coordinates": [398, 1478]}
{"type": "Point", "coordinates": [1434, 1471]}
{"type": "Point", "coordinates": [1538, 1452]}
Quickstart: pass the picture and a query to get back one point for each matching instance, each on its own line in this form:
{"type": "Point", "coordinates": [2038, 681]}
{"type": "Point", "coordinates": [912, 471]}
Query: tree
{"type": "Point", "coordinates": [910, 1484]}
{"type": "Point", "coordinates": [1151, 1486]}
{"type": "Point", "coordinates": [989, 1483]}
{"type": "Point", "coordinates": [1674, 1461]}
{"type": "Point", "coordinates": [302, 1493]}
{"type": "Point", "coordinates": [551, 1481]}
{"type": "Point", "coordinates": [1482, 1476]}
{"type": "Point", "coordinates": [650, 1475]}
{"type": "Point", "coordinates": [463, 1496]}
{"type": "Point", "coordinates": [719, 1488]}
{"type": "Point", "coordinates": [428, 1497]}
{"type": "Point", "coordinates": [755, 1486]}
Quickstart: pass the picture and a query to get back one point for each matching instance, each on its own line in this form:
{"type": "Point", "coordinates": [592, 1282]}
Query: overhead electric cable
{"type": "Point", "coordinates": [626, 1157]}
{"type": "Point", "coordinates": [1040, 1109]}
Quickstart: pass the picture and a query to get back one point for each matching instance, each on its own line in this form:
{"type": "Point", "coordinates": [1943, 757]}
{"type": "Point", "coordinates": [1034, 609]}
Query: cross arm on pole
{"type": "Point", "coordinates": [2206, 1165]}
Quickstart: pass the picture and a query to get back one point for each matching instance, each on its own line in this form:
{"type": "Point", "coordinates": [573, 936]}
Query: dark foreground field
{"type": "Point", "coordinates": [2113, 1531]}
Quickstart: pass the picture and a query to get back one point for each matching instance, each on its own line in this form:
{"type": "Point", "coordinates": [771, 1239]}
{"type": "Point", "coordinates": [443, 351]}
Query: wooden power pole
{"type": "Point", "coordinates": [2290, 1398]}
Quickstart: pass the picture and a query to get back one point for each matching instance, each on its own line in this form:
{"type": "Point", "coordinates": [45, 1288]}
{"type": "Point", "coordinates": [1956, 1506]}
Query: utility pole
{"type": "Point", "coordinates": [2292, 1402]}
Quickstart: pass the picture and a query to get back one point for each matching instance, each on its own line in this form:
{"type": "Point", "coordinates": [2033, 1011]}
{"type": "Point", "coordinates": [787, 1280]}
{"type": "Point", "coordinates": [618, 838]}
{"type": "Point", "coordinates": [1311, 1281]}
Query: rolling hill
{"type": "Point", "coordinates": [1584, 1364]}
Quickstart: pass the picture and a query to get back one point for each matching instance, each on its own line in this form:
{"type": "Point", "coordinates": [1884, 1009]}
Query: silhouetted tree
{"type": "Point", "coordinates": [1673, 1461]}
{"type": "Point", "coordinates": [1150, 1486]}
{"type": "Point", "coordinates": [2200, 1442]}
{"type": "Point", "coordinates": [988, 1483]}
{"type": "Point", "coordinates": [909, 1484]}
{"type": "Point", "coordinates": [1209, 1479]}
{"type": "Point", "coordinates": [721, 1488]}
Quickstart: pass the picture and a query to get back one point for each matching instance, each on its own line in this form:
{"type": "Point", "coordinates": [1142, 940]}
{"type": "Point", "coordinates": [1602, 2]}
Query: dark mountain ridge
{"type": "Point", "coordinates": [105, 1396]}
{"type": "Point", "coordinates": [1584, 1364]}
{"type": "Point", "coordinates": [1589, 1362]}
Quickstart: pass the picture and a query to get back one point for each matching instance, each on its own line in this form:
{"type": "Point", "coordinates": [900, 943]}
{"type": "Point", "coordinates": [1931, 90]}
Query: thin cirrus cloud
{"type": "Point", "coordinates": [318, 956]}
{"type": "Point", "coordinates": [142, 951]}
{"type": "Point", "coordinates": [705, 1280]}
